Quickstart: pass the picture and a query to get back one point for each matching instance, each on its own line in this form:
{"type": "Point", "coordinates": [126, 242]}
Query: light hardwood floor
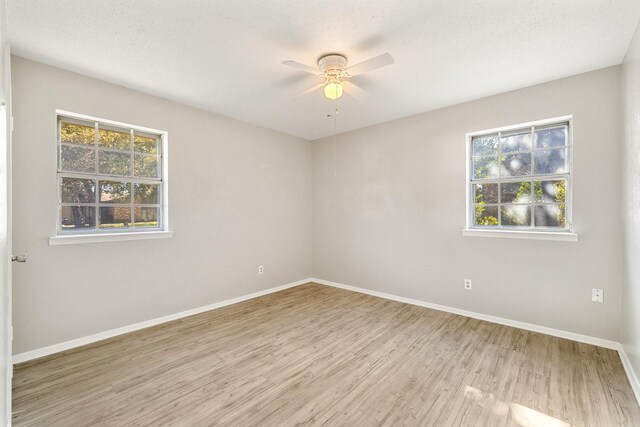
{"type": "Point", "coordinates": [324, 356]}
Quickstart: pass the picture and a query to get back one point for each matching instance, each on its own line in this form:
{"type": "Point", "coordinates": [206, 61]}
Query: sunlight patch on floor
{"type": "Point", "coordinates": [522, 415]}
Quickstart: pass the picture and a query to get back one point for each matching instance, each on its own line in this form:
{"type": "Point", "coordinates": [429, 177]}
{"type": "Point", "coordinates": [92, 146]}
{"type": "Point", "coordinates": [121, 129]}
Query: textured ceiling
{"type": "Point", "coordinates": [225, 56]}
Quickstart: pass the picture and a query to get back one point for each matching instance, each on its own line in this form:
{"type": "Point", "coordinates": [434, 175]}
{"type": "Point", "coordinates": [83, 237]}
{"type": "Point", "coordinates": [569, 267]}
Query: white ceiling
{"type": "Point", "coordinates": [225, 56]}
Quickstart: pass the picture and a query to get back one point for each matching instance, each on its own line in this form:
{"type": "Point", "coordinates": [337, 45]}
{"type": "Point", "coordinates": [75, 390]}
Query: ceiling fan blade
{"type": "Point", "coordinates": [370, 64]}
{"type": "Point", "coordinates": [308, 91]}
{"type": "Point", "coordinates": [302, 67]}
{"type": "Point", "coordinates": [355, 91]}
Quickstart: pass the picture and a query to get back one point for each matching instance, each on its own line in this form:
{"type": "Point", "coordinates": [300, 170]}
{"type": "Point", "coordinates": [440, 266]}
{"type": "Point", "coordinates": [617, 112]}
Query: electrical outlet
{"type": "Point", "coordinates": [467, 284]}
{"type": "Point", "coordinates": [261, 269]}
{"type": "Point", "coordinates": [597, 295]}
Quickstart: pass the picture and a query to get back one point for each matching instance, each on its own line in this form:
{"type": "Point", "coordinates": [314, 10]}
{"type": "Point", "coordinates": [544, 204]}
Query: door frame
{"type": "Point", "coordinates": [6, 127]}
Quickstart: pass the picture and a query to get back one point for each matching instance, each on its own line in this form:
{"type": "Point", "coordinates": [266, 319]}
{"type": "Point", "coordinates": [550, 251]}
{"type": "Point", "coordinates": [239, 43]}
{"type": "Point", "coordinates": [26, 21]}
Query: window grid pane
{"type": "Point", "coordinates": [540, 155]}
{"type": "Point", "coordinates": [99, 186]}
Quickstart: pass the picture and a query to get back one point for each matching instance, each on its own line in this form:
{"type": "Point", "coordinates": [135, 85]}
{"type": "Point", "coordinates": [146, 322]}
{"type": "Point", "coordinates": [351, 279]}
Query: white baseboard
{"type": "Point", "coordinates": [631, 374]}
{"type": "Point", "coordinates": [613, 345]}
{"type": "Point", "coordinates": [67, 345]}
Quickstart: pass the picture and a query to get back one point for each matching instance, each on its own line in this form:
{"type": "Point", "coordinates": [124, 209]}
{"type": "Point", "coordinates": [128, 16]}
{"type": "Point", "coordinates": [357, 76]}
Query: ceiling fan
{"type": "Point", "coordinates": [335, 73]}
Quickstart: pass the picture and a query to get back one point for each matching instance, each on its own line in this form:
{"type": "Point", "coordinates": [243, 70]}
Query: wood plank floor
{"type": "Point", "coordinates": [317, 355]}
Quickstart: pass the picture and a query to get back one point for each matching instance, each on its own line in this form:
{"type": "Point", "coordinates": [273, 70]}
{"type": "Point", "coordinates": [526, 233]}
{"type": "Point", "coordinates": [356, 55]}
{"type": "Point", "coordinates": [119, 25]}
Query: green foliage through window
{"type": "Point", "coordinates": [519, 178]}
{"type": "Point", "coordinates": [109, 177]}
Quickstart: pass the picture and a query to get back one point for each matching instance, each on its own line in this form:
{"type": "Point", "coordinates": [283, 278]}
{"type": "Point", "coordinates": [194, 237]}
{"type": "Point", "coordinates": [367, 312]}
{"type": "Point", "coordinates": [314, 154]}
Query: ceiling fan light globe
{"type": "Point", "coordinates": [333, 90]}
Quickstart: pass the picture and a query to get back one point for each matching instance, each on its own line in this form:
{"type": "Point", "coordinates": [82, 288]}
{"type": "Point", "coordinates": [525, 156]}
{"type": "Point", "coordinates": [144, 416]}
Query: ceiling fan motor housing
{"type": "Point", "coordinates": [332, 64]}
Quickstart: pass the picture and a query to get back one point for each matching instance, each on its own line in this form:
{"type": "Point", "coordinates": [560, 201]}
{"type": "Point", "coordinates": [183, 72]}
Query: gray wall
{"type": "Point", "coordinates": [391, 219]}
{"type": "Point", "coordinates": [240, 196]}
{"type": "Point", "coordinates": [631, 203]}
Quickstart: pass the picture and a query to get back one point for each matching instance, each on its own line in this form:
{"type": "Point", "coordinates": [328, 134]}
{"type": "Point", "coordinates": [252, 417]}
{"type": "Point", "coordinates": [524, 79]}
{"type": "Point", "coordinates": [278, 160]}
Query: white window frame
{"type": "Point", "coordinates": [566, 234]}
{"type": "Point", "coordinates": [97, 235]}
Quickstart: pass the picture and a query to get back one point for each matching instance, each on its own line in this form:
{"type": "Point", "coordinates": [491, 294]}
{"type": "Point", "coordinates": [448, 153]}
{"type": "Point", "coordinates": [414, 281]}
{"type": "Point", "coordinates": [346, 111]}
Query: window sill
{"type": "Point", "coordinates": [519, 234]}
{"type": "Point", "coordinates": [73, 239]}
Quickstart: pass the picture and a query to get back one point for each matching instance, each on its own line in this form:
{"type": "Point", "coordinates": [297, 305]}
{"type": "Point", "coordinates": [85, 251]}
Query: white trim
{"type": "Point", "coordinates": [567, 176]}
{"type": "Point", "coordinates": [163, 181]}
{"type": "Point", "coordinates": [628, 368]}
{"type": "Point", "coordinates": [521, 234]}
{"type": "Point", "coordinates": [469, 217]}
{"type": "Point", "coordinates": [6, 305]}
{"type": "Point", "coordinates": [600, 342]}
{"type": "Point", "coordinates": [84, 117]}
{"type": "Point", "coordinates": [68, 345]}
{"type": "Point", "coordinates": [544, 122]}
{"type": "Point", "coordinates": [73, 239]}
{"type": "Point", "coordinates": [164, 137]}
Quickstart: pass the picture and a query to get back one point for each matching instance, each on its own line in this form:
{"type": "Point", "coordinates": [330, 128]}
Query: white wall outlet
{"type": "Point", "coordinates": [261, 269]}
{"type": "Point", "coordinates": [467, 284]}
{"type": "Point", "coordinates": [597, 295]}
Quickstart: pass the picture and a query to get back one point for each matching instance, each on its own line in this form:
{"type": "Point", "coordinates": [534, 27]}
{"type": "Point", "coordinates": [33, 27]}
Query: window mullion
{"type": "Point", "coordinates": [98, 196]}
{"type": "Point", "coordinates": [499, 155]}
{"type": "Point", "coordinates": [97, 153]}
{"type": "Point", "coordinates": [533, 172]}
{"type": "Point", "coordinates": [132, 147]}
{"type": "Point", "coordinates": [532, 203]}
{"type": "Point", "coordinates": [131, 205]}
{"type": "Point", "coordinates": [499, 205]}
{"type": "Point", "coordinates": [73, 227]}
{"type": "Point", "coordinates": [59, 145]}
{"type": "Point", "coordinates": [95, 147]}
{"type": "Point", "coordinates": [499, 179]}
{"type": "Point", "coordinates": [533, 158]}
{"type": "Point", "coordinates": [119, 178]}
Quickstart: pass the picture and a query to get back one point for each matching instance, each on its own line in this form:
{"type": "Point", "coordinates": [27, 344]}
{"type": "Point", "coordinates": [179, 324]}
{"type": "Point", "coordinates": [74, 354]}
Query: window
{"type": "Point", "coordinates": [111, 177]}
{"type": "Point", "coordinates": [520, 178]}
